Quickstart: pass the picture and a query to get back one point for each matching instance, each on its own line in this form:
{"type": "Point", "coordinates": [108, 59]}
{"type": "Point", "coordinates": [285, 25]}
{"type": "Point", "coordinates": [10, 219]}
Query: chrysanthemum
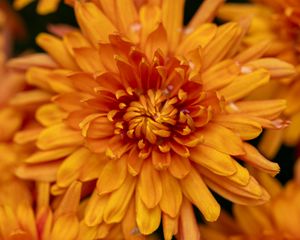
{"type": "Point", "coordinates": [277, 23]}
{"type": "Point", "coordinates": [277, 220]}
{"type": "Point", "coordinates": [154, 111]}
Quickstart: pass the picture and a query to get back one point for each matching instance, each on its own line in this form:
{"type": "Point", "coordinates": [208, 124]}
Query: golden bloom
{"type": "Point", "coordinates": [154, 111]}
{"type": "Point", "coordinates": [273, 25]}
{"type": "Point", "coordinates": [277, 220]}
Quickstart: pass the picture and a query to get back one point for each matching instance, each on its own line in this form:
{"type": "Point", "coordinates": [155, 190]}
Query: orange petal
{"type": "Point", "coordinates": [67, 137]}
{"type": "Point", "coordinates": [216, 136]}
{"type": "Point", "coordinates": [245, 84]}
{"type": "Point", "coordinates": [49, 114]}
{"type": "Point", "coordinates": [70, 168]}
{"type": "Point", "coordinates": [156, 40]}
{"type": "Point", "coordinates": [171, 194]}
{"type": "Point", "coordinates": [112, 176]}
{"type": "Point", "coordinates": [188, 226]}
{"type": "Point", "coordinates": [95, 209]}
{"type": "Point", "coordinates": [179, 166]}
{"type": "Point", "coordinates": [170, 226]}
{"type": "Point", "coordinates": [115, 209]}
{"type": "Point", "coordinates": [172, 19]}
{"type": "Point", "coordinates": [94, 24]}
{"type": "Point", "coordinates": [200, 37]}
{"type": "Point", "coordinates": [57, 50]}
{"type": "Point", "coordinates": [196, 191]}
{"type": "Point", "coordinates": [215, 161]}
{"type": "Point", "coordinates": [66, 227]}
{"type": "Point", "coordinates": [245, 127]}
{"type": "Point", "coordinates": [147, 219]}
{"type": "Point", "coordinates": [149, 185]}
{"type": "Point", "coordinates": [254, 158]}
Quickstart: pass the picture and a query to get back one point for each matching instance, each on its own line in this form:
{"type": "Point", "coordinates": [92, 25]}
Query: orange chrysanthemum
{"type": "Point", "coordinates": [277, 220]}
{"type": "Point", "coordinates": [271, 25]}
{"type": "Point", "coordinates": [154, 112]}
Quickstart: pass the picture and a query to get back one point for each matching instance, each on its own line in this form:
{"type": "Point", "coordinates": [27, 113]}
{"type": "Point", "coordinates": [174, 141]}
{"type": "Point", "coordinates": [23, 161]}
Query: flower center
{"type": "Point", "coordinates": [152, 116]}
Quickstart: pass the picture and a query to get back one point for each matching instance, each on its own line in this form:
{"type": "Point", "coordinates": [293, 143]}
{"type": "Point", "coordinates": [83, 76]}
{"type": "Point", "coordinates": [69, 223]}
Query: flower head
{"type": "Point", "coordinates": [154, 112]}
{"type": "Point", "coordinates": [272, 24]}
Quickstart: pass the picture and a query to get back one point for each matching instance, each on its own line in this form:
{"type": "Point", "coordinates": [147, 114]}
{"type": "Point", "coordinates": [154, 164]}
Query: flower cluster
{"type": "Point", "coordinates": [134, 121]}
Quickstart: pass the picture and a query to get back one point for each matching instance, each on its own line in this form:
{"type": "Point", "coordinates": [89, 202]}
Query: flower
{"type": "Point", "coordinates": [272, 24]}
{"type": "Point", "coordinates": [154, 112]}
{"type": "Point", "coordinates": [278, 219]}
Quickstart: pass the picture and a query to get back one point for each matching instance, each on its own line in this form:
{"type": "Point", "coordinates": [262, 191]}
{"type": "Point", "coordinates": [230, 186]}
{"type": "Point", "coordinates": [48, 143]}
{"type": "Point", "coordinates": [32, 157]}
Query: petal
{"type": "Point", "coordinates": [112, 176]}
{"type": "Point", "coordinates": [95, 209]}
{"type": "Point", "coordinates": [49, 139]}
{"type": "Point", "coordinates": [245, 127]}
{"type": "Point", "coordinates": [215, 161]}
{"type": "Point", "coordinates": [171, 194]}
{"type": "Point", "coordinates": [57, 50]}
{"type": "Point", "coordinates": [196, 191]}
{"type": "Point", "coordinates": [254, 158]}
{"type": "Point", "coordinates": [188, 226]}
{"type": "Point", "coordinates": [50, 155]}
{"type": "Point", "coordinates": [216, 136]}
{"type": "Point", "coordinates": [94, 24]}
{"type": "Point", "coordinates": [276, 67]}
{"type": "Point", "coordinates": [156, 40]}
{"type": "Point", "coordinates": [147, 219]}
{"type": "Point", "coordinates": [245, 84]}
{"type": "Point", "coordinates": [115, 209]}
{"type": "Point", "coordinates": [149, 185]}
{"type": "Point", "coordinates": [66, 227]}
{"type": "Point", "coordinates": [200, 37]}
{"type": "Point", "coordinates": [170, 226]}
{"type": "Point", "coordinates": [50, 114]}
{"type": "Point", "coordinates": [172, 19]}
{"type": "Point", "coordinates": [69, 170]}
{"type": "Point", "coordinates": [179, 166]}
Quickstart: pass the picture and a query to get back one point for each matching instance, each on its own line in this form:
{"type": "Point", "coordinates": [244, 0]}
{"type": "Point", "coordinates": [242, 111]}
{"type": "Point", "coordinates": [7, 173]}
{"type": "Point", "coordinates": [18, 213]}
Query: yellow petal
{"type": "Point", "coordinates": [95, 209]}
{"type": "Point", "coordinates": [50, 155]}
{"type": "Point", "coordinates": [170, 226]}
{"type": "Point", "coordinates": [150, 17]}
{"type": "Point", "coordinates": [147, 219]}
{"type": "Point", "coordinates": [219, 46]}
{"type": "Point", "coordinates": [245, 127]}
{"type": "Point", "coordinates": [94, 24]}
{"type": "Point", "coordinates": [188, 226]}
{"type": "Point", "coordinates": [66, 227]}
{"type": "Point", "coordinates": [206, 13]}
{"type": "Point", "coordinates": [149, 185]}
{"type": "Point", "coordinates": [245, 84]}
{"type": "Point", "coordinates": [217, 162]}
{"type": "Point", "coordinates": [115, 209]}
{"type": "Point", "coordinates": [57, 50]}
{"type": "Point", "coordinates": [254, 158]}
{"type": "Point", "coordinates": [88, 60]}
{"type": "Point", "coordinates": [220, 75]}
{"type": "Point", "coordinates": [171, 194]}
{"type": "Point", "coordinates": [196, 191]}
{"type": "Point", "coordinates": [69, 170]}
{"type": "Point", "coordinates": [112, 176]}
{"type": "Point", "coordinates": [49, 139]}
{"type": "Point", "coordinates": [49, 114]}
{"type": "Point", "coordinates": [216, 136]}
{"type": "Point", "coordinates": [127, 18]}
{"type": "Point", "coordinates": [276, 67]}
{"type": "Point", "coordinates": [198, 38]}
{"type": "Point", "coordinates": [172, 19]}
{"type": "Point", "coordinates": [179, 166]}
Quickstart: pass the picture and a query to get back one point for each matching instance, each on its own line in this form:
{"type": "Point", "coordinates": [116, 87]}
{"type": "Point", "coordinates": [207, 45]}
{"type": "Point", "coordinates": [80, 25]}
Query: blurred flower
{"type": "Point", "coordinates": [277, 220]}
{"type": "Point", "coordinates": [44, 6]}
{"type": "Point", "coordinates": [276, 23]}
{"type": "Point", "coordinates": [154, 112]}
